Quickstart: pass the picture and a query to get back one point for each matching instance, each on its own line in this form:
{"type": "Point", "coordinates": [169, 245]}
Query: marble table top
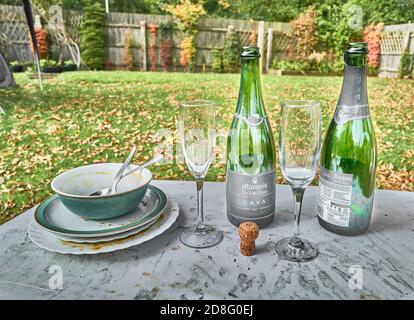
{"type": "Point", "coordinates": [376, 265]}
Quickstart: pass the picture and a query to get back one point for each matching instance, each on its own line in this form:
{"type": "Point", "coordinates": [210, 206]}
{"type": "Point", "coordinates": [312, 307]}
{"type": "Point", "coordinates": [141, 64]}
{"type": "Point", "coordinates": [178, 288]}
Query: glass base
{"type": "Point", "coordinates": [201, 237]}
{"type": "Point", "coordinates": [296, 249]}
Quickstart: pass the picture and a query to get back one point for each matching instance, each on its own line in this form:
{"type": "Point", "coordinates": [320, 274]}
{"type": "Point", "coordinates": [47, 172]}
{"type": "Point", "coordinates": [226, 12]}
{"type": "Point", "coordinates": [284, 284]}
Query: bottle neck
{"type": "Point", "coordinates": [354, 86]}
{"type": "Point", "coordinates": [250, 100]}
{"type": "Point", "coordinates": [353, 100]}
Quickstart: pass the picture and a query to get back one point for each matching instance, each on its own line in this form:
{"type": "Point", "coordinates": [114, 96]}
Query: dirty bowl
{"type": "Point", "coordinates": [75, 186]}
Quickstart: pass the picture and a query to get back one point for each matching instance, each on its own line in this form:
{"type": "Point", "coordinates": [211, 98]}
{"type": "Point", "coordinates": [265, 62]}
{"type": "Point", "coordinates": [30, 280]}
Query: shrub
{"type": "Point", "coordinates": [316, 61]}
{"type": "Point", "coordinates": [151, 50]}
{"type": "Point", "coordinates": [293, 65]}
{"type": "Point", "coordinates": [47, 63]}
{"type": "Point", "coordinates": [187, 14]}
{"type": "Point", "coordinates": [216, 61]}
{"type": "Point", "coordinates": [54, 53]}
{"type": "Point", "coordinates": [69, 65]}
{"type": "Point", "coordinates": [333, 29]}
{"type": "Point", "coordinates": [304, 32]}
{"type": "Point", "coordinates": [92, 34]}
{"type": "Point", "coordinates": [338, 65]}
{"type": "Point", "coordinates": [405, 64]}
{"type": "Point", "coordinates": [231, 59]}
{"type": "Point", "coordinates": [15, 66]}
{"type": "Point", "coordinates": [388, 12]}
{"type": "Point", "coordinates": [165, 47]}
{"type": "Point", "coordinates": [42, 45]}
{"type": "Point", "coordinates": [127, 58]}
{"type": "Point", "coordinates": [187, 51]}
{"type": "Point", "coordinates": [166, 44]}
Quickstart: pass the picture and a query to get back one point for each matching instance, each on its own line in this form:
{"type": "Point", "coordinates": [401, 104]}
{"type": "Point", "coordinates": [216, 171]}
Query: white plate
{"type": "Point", "coordinates": [54, 217]}
{"type": "Point", "coordinates": [50, 242]}
{"type": "Point", "coordinates": [107, 238]}
{"type": "Point", "coordinates": [110, 237]}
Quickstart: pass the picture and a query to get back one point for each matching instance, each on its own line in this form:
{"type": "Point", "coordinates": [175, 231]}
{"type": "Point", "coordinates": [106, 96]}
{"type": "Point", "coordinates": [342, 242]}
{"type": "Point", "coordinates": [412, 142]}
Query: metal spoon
{"type": "Point", "coordinates": [118, 176]}
{"type": "Point", "coordinates": [156, 159]}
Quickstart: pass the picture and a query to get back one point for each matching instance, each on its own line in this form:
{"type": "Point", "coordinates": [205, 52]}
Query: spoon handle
{"type": "Point", "coordinates": [156, 159]}
{"type": "Point", "coordinates": [119, 174]}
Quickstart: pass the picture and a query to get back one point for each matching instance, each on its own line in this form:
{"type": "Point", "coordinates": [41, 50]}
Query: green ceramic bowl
{"type": "Point", "coordinates": [74, 187]}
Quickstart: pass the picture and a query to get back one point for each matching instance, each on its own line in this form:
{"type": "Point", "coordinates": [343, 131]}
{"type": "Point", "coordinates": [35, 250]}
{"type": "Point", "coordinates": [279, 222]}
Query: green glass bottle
{"type": "Point", "coordinates": [349, 153]}
{"type": "Point", "coordinates": [250, 185]}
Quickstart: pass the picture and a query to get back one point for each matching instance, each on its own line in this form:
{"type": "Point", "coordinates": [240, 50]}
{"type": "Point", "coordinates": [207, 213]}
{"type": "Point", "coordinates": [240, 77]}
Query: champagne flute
{"type": "Point", "coordinates": [198, 134]}
{"type": "Point", "coordinates": [299, 148]}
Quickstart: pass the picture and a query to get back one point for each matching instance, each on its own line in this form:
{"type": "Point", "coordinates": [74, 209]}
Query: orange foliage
{"type": "Point", "coordinates": [187, 13]}
{"type": "Point", "coordinates": [304, 31]}
{"type": "Point", "coordinates": [151, 51]}
{"type": "Point", "coordinates": [42, 46]}
{"type": "Point", "coordinates": [127, 59]}
{"type": "Point", "coordinates": [253, 38]}
{"type": "Point", "coordinates": [372, 35]}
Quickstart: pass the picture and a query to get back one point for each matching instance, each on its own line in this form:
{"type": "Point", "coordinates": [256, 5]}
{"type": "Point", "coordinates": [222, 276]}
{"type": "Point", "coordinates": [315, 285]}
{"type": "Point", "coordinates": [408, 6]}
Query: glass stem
{"type": "Point", "coordinates": [298, 196]}
{"type": "Point", "coordinates": [200, 223]}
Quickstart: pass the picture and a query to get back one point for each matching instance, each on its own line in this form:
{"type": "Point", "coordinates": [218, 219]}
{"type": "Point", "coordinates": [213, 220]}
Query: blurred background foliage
{"type": "Point", "coordinates": [375, 11]}
{"type": "Point", "coordinates": [331, 17]}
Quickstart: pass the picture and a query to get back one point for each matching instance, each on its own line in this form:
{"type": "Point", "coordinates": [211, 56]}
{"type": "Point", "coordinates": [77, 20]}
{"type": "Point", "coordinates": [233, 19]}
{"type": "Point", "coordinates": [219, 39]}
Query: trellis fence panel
{"type": "Point", "coordinates": [14, 34]}
{"type": "Point", "coordinates": [394, 41]}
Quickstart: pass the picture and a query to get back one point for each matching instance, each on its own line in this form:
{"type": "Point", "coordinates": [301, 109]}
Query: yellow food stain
{"type": "Point", "coordinates": [146, 273]}
{"type": "Point", "coordinates": [89, 183]}
{"type": "Point", "coordinates": [103, 244]}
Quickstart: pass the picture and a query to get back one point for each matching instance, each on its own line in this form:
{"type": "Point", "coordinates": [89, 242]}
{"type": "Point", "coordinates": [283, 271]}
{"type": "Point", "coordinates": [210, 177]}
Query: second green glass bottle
{"type": "Point", "coordinates": [349, 153]}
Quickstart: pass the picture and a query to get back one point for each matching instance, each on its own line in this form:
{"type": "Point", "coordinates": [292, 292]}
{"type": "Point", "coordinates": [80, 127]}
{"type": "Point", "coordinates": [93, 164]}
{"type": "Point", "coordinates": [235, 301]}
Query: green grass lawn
{"type": "Point", "coordinates": [87, 117]}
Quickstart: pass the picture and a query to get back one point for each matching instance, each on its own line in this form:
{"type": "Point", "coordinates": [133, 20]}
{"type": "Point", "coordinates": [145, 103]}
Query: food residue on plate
{"type": "Point", "coordinates": [100, 245]}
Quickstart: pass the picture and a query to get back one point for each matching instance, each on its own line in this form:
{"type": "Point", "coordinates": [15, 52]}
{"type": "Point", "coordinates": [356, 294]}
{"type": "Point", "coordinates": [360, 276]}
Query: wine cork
{"type": "Point", "coordinates": [248, 232]}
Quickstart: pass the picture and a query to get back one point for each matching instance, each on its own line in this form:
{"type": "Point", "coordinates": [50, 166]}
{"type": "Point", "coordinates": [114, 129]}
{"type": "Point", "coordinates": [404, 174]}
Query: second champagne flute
{"type": "Point", "coordinates": [299, 148]}
{"type": "Point", "coordinates": [198, 134]}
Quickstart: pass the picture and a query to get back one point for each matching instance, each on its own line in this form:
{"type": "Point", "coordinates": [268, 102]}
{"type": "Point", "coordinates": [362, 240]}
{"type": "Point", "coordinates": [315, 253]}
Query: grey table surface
{"type": "Point", "coordinates": [376, 265]}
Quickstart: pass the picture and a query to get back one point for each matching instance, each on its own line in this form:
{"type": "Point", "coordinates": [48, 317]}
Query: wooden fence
{"type": "Point", "coordinates": [273, 37]}
{"type": "Point", "coordinates": [394, 41]}
{"type": "Point", "coordinates": [14, 34]}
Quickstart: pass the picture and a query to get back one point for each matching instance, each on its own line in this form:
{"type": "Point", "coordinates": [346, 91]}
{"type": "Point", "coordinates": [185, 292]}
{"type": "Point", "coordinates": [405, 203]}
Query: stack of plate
{"type": "Point", "coordinates": [56, 229]}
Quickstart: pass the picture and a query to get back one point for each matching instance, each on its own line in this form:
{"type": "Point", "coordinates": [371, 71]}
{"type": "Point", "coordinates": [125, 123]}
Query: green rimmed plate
{"type": "Point", "coordinates": [53, 216]}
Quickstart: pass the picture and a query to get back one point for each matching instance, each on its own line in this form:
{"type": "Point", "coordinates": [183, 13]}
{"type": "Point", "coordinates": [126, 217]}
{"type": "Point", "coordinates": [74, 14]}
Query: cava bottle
{"type": "Point", "coordinates": [250, 185]}
{"type": "Point", "coordinates": [349, 154]}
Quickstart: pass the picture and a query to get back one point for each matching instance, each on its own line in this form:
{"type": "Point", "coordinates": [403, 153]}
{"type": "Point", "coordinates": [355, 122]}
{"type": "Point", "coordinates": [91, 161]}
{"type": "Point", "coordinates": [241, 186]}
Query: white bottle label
{"type": "Point", "coordinates": [344, 113]}
{"type": "Point", "coordinates": [335, 195]}
{"type": "Point", "coordinates": [251, 196]}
